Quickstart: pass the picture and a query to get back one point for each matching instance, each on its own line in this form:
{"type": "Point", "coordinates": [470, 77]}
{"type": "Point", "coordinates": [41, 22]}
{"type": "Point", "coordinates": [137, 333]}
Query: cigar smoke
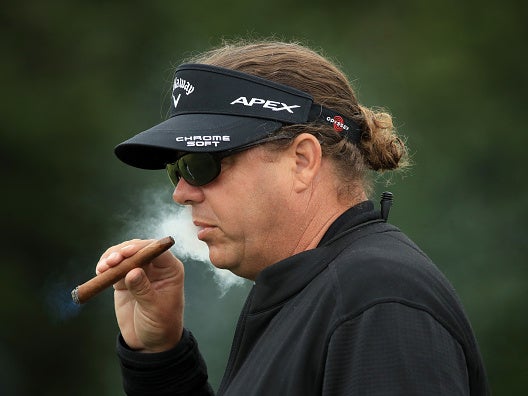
{"type": "Point", "coordinates": [159, 217]}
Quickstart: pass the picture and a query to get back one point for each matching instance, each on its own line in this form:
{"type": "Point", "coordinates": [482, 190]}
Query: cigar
{"type": "Point", "coordinates": [94, 286]}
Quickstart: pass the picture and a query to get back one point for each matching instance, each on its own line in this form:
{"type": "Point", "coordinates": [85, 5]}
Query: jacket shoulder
{"type": "Point", "coordinates": [384, 265]}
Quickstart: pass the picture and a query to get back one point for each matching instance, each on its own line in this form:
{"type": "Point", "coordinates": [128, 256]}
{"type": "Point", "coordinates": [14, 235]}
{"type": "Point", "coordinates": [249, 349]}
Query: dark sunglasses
{"type": "Point", "coordinates": [199, 169]}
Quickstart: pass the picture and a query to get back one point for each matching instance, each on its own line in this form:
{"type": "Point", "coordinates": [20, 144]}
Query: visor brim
{"type": "Point", "coordinates": [161, 144]}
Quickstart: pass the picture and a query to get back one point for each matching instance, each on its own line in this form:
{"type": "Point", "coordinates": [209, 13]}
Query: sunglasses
{"type": "Point", "coordinates": [199, 169]}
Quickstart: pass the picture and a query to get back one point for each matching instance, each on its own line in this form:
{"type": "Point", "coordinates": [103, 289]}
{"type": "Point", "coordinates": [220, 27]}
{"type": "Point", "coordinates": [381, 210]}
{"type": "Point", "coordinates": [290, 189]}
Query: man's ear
{"type": "Point", "coordinates": [307, 153]}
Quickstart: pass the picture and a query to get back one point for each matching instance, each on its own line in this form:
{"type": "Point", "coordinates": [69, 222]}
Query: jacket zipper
{"type": "Point", "coordinates": [237, 339]}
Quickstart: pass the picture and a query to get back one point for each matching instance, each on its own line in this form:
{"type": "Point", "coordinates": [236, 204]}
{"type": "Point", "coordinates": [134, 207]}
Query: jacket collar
{"type": "Point", "coordinates": [280, 281]}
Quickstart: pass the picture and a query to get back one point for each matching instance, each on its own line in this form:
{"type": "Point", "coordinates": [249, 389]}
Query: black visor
{"type": "Point", "coordinates": [215, 109]}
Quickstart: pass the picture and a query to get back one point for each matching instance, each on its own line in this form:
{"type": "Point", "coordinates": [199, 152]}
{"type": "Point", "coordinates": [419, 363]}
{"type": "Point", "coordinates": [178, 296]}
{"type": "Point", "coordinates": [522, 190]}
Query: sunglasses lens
{"type": "Point", "coordinates": [172, 171]}
{"type": "Point", "coordinates": [197, 169]}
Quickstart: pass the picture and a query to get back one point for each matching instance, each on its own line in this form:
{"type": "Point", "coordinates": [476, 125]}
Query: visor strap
{"type": "Point", "coordinates": [341, 125]}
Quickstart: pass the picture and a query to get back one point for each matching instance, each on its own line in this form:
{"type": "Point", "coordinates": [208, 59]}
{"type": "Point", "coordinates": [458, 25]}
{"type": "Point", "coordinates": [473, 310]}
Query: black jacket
{"type": "Point", "coordinates": [366, 313]}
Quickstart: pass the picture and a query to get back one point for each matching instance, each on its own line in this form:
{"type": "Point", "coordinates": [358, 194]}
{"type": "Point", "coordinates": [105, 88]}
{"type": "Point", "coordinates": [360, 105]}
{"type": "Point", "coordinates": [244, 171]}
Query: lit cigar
{"type": "Point", "coordinates": [87, 290]}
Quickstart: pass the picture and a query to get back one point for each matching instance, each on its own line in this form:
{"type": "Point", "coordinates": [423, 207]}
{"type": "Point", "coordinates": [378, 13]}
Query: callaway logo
{"type": "Point", "coordinates": [183, 84]}
{"type": "Point", "coordinates": [267, 104]}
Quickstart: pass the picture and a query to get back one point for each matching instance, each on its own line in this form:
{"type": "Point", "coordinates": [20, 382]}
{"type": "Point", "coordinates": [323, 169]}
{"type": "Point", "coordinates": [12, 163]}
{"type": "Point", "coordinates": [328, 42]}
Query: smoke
{"type": "Point", "coordinates": [157, 217]}
{"type": "Point", "coordinates": [160, 217]}
{"type": "Point", "coordinates": [59, 301]}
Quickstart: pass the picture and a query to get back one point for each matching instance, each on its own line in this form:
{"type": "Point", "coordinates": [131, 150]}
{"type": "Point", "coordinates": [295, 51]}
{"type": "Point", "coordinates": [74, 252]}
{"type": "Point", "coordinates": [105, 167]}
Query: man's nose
{"type": "Point", "coordinates": [186, 194]}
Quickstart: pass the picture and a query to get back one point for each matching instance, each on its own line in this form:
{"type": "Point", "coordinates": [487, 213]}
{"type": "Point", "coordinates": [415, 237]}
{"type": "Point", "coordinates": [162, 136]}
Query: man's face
{"type": "Point", "coordinates": [244, 215]}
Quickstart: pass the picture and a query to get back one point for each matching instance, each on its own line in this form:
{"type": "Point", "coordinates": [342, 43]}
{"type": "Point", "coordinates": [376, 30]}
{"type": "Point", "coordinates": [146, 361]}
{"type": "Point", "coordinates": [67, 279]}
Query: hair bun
{"type": "Point", "coordinates": [381, 147]}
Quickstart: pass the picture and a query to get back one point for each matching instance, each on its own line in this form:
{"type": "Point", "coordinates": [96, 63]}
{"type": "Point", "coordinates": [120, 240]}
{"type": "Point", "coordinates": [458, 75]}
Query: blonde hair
{"type": "Point", "coordinates": [295, 65]}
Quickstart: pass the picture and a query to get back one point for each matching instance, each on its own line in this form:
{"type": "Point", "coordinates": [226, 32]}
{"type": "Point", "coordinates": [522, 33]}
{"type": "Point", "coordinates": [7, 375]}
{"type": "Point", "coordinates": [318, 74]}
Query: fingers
{"type": "Point", "coordinates": [138, 284]}
{"type": "Point", "coordinates": [114, 255]}
{"type": "Point", "coordinates": [158, 311]}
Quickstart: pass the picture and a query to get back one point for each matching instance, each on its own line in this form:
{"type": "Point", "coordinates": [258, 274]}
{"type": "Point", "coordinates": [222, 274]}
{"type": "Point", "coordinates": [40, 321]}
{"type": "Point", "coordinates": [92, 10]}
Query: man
{"type": "Point", "coordinates": [269, 146]}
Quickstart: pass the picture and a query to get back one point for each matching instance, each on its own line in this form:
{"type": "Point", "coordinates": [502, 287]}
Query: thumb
{"type": "Point", "coordinates": [138, 284]}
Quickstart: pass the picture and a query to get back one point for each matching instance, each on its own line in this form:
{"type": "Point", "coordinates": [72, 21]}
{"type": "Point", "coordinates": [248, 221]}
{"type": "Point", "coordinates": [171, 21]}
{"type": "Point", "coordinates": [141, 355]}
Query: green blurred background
{"type": "Point", "coordinates": [79, 77]}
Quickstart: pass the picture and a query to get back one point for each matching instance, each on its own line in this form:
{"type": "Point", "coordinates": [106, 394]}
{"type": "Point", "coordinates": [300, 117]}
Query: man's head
{"type": "Point", "coordinates": [269, 144]}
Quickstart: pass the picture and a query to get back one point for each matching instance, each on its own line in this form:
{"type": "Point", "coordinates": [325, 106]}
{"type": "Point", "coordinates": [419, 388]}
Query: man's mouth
{"type": "Point", "coordinates": [204, 229]}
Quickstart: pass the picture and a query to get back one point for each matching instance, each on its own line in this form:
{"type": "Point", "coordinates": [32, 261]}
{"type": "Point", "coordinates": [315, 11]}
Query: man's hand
{"type": "Point", "coordinates": [148, 301]}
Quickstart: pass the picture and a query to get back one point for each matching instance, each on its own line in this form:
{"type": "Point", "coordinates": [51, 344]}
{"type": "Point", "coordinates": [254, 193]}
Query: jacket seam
{"type": "Point", "coordinates": [346, 318]}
